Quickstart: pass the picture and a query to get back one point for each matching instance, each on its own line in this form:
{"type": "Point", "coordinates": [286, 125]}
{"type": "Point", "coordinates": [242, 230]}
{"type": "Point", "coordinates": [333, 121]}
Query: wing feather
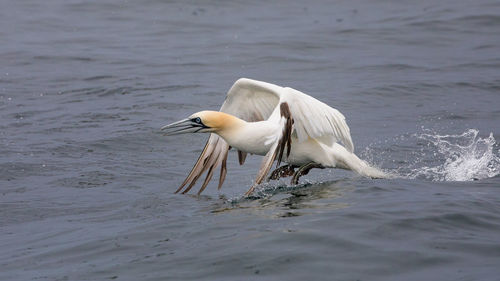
{"type": "Point", "coordinates": [214, 153]}
{"type": "Point", "coordinates": [253, 101]}
{"type": "Point", "coordinates": [265, 166]}
{"type": "Point", "coordinates": [223, 170]}
{"type": "Point", "coordinates": [284, 139]}
{"type": "Point", "coordinates": [315, 119]}
{"type": "Point", "coordinates": [247, 99]}
{"type": "Point", "coordinates": [241, 157]}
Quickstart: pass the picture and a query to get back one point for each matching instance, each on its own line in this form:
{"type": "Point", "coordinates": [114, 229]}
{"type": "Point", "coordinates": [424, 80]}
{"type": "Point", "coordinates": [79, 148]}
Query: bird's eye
{"type": "Point", "coordinates": [197, 120]}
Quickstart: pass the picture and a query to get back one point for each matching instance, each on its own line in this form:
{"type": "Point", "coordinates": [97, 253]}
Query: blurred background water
{"type": "Point", "coordinates": [87, 179]}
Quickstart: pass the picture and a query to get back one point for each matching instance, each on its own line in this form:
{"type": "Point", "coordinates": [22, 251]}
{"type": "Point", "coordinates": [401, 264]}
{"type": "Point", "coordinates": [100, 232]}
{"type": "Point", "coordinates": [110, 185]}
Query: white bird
{"type": "Point", "coordinates": [280, 123]}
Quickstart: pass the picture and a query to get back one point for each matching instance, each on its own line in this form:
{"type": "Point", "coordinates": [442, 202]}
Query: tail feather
{"type": "Point", "coordinates": [348, 160]}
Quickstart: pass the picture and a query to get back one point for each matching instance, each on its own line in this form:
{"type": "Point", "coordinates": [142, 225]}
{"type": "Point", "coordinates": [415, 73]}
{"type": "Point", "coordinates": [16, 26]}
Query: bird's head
{"type": "Point", "coordinates": [201, 122]}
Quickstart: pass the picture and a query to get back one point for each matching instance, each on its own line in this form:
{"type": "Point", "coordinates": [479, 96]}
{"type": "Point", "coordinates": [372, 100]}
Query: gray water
{"type": "Point", "coordinates": [87, 178]}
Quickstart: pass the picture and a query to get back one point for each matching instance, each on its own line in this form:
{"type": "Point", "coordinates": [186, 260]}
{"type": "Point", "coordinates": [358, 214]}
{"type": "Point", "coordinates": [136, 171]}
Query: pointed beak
{"type": "Point", "coordinates": [183, 126]}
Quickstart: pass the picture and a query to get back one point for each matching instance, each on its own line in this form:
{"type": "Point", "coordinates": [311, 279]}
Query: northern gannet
{"type": "Point", "coordinates": [279, 123]}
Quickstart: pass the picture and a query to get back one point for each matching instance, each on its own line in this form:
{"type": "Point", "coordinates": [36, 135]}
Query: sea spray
{"type": "Point", "coordinates": [463, 157]}
{"type": "Point", "coordinates": [438, 157]}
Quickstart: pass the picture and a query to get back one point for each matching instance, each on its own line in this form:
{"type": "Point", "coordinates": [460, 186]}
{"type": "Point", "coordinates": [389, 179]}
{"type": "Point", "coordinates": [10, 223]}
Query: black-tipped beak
{"type": "Point", "coordinates": [183, 126]}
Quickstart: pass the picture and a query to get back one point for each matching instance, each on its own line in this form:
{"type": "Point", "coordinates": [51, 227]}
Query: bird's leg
{"type": "Point", "coordinates": [303, 170]}
{"type": "Point", "coordinates": [282, 172]}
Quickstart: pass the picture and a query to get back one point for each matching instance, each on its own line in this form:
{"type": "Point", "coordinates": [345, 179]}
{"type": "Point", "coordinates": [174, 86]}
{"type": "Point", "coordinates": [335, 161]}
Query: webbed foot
{"type": "Point", "coordinates": [304, 170]}
{"type": "Point", "coordinates": [282, 172]}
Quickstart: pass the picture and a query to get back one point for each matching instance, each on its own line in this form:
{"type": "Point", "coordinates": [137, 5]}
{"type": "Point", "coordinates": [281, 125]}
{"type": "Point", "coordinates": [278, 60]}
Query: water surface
{"type": "Point", "coordinates": [87, 179]}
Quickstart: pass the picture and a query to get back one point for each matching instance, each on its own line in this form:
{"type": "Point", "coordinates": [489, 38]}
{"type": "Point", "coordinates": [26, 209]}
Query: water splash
{"type": "Point", "coordinates": [466, 157]}
{"type": "Point", "coordinates": [431, 156]}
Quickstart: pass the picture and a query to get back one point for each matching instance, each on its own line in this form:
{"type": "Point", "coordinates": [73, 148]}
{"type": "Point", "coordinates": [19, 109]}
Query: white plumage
{"type": "Point", "coordinates": [313, 118]}
{"type": "Point", "coordinates": [279, 122]}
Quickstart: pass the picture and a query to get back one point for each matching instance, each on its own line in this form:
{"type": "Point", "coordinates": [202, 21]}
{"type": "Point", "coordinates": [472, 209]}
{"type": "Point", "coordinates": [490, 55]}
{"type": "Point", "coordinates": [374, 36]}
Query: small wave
{"type": "Point", "coordinates": [436, 157]}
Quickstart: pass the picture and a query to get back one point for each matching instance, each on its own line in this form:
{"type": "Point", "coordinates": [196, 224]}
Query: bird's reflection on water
{"type": "Point", "coordinates": [290, 201]}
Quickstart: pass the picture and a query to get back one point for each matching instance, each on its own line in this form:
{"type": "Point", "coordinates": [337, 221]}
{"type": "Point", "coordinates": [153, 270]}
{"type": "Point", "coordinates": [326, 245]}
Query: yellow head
{"type": "Point", "coordinates": [203, 122]}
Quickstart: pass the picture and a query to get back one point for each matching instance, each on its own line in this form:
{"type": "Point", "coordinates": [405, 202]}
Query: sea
{"type": "Point", "coordinates": [87, 179]}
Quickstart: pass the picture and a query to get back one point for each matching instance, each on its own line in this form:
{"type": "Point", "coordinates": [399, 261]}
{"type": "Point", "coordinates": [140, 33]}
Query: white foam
{"type": "Point", "coordinates": [437, 157]}
{"type": "Point", "coordinates": [463, 157]}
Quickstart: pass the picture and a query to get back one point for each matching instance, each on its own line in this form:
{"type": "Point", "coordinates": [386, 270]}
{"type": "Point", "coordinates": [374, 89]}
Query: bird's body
{"type": "Point", "coordinates": [256, 138]}
{"type": "Point", "coordinates": [279, 123]}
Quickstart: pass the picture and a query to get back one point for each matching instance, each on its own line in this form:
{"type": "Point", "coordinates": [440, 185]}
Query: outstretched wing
{"type": "Point", "coordinates": [213, 155]}
{"type": "Point", "coordinates": [254, 101]}
{"type": "Point", "coordinates": [247, 99]}
{"type": "Point", "coordinates": [314, 119]}
{"type": "Point", "coordinates": [283, 140]}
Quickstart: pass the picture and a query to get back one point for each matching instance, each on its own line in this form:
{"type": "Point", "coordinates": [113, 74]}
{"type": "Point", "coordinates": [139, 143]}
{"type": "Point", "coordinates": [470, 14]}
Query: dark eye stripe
{"type": "Point", "coordinates": [197, 120]}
